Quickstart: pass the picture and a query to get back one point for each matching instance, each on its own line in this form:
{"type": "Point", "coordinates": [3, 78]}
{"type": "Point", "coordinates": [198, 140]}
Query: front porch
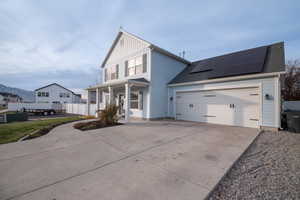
{"type": "Point", "coordinates": [131, 95]}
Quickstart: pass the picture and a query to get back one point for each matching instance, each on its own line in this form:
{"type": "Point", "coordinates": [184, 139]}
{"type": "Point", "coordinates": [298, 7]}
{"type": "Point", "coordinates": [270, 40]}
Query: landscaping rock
{"type": "Point", "coordinates": [269, 169]}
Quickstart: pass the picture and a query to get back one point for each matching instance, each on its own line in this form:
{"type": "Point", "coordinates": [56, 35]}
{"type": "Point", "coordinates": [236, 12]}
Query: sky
{"type": "Point", "coordinates": [65, 41]}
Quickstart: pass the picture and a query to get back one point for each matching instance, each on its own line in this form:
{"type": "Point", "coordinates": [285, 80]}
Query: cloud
{"type": "Point", "coordinates": [77, 78]}
{"type": "Point", "coordinates": [65, 41]}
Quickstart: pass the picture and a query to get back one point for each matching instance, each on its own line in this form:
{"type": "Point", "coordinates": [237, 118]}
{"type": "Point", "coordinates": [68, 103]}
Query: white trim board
{"type": "Point", "coordinates": [236, 78]}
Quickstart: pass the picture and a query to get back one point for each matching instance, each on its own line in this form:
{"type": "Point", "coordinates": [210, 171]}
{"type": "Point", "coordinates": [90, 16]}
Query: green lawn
{"type": "Point", "coordinates": [12, 132]}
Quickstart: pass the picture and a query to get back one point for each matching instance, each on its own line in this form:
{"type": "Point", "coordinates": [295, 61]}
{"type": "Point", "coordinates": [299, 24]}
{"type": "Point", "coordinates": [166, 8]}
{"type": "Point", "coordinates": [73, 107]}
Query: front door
{"type": "Point", "coordinates": [121, 104]}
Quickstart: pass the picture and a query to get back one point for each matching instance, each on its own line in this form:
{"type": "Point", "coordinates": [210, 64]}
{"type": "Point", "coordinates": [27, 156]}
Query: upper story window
{"type": "Point", "coordinates": [111, 73]}
{"type": "Point", "coordinates": [136, 65]}
{"type": "Point", "coordinates": [64, 95]}
{"type": "Point", "coordinates": [43, 94]}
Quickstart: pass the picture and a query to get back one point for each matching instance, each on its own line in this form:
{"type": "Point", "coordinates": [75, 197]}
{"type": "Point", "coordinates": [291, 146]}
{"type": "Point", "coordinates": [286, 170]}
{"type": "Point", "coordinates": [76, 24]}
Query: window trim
{"type": "Point", "coordinates": [142, 65]}
{"type": "Point", "coordinates": [109, 75]}
{"type": "Point", "coordinates": [139, 100]}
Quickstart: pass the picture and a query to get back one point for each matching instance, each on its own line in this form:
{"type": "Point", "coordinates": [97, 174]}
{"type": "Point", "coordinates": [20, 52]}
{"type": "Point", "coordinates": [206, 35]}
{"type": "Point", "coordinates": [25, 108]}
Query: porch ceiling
{"type": "Point", "coordinates": [141, 82]}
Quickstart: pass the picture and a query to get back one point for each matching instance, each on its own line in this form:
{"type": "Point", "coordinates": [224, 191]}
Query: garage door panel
{"type": "Point", "coordinates": [239, 107]}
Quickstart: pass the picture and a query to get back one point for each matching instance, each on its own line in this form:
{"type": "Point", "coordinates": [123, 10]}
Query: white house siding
{"type": "Point", "coordinates": [131, 48]}
{"type": "Point", "coordinates": [163, 70]}
{"type": "Point", "coordinates": [54, 91]}
{"type": "Point", "coordinates": [269, 108]}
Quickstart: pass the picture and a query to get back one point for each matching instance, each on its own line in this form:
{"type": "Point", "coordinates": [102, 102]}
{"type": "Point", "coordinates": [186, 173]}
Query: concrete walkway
{"type": "Point", "coordinates": [139, 160]}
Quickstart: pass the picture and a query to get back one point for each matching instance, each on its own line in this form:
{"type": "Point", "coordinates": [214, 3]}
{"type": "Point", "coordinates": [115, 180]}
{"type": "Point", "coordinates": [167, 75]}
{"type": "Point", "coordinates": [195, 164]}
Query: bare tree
{"type": "Point", "coordinates": [291, 81]}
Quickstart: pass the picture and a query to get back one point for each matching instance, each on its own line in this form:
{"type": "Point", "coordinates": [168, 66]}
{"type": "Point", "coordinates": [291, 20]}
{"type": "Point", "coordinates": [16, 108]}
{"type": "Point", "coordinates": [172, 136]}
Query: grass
{"type": "Point", "coordinates": [12, 132]}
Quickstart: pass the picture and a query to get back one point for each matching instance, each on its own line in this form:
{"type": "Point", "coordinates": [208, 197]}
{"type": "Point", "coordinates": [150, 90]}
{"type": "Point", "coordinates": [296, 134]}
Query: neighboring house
{"type": "Point", "coordinates": [146, 81]}
{"type": "Point", "coordinates": [55, 93]}
{"type": "Point", "coordinates": [6, 98]}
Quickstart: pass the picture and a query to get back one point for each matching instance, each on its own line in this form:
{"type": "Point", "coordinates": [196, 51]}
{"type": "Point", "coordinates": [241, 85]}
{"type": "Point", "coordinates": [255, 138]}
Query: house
{"type": "Point", "coordinates": [6, 98]}
{"type": "Point", "coordinates": [148, 82]}
{"type": "Point", "coordinates": [55, 93]}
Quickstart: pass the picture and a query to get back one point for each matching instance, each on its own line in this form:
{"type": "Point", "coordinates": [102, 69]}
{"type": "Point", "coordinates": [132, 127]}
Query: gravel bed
{"type": "Point", "coordinates": [269, 169]}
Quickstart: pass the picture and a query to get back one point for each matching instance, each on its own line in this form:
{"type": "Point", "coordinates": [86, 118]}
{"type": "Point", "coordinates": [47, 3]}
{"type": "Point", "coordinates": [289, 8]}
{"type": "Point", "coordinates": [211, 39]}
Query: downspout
{"type": "Point", "coordinates": [150, 84]}
{"type": "Point", "coordinates": [280, 101]}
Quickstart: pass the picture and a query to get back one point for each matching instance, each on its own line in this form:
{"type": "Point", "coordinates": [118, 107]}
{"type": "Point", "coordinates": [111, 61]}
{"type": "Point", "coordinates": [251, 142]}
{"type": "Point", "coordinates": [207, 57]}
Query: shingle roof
{"type": "Point", "coordinates": [140, 80]}
{"type": "Point", "coordinates": [263, 59]}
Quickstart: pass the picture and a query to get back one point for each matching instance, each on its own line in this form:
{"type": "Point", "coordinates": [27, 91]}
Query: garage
{"type": "Point", "coordinates": [235, 107]}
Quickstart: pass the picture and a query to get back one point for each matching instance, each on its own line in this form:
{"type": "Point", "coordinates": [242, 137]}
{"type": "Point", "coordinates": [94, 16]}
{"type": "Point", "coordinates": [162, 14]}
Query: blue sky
{"type": "Point", "coordinates": [65, 41]}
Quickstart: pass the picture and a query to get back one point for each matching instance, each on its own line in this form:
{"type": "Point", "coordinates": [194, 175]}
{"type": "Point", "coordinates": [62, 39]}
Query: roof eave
{"type": "Point", "coordinates": [163, 51]}
{"type": "Point", "coordinates": [232, 78]}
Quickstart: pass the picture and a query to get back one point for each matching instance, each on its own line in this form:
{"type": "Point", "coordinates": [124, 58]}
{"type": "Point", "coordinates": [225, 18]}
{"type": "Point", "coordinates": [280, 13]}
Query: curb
{"type": "Point", "coordinates": [49, 129]}
{"type": "Point", "coordinates": [26, 136]}
{"type": "Point", "coordinates": [229, 169]}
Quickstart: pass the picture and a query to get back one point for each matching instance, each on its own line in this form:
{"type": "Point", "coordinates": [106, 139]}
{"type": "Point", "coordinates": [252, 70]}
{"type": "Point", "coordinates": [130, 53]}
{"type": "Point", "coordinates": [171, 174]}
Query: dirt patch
{"type": "Point", "coordinates": [269, 169]}
{"type": "Point", "coordinates": [85, 126]}
{"type": "Point", "coordinates": [45, 130]}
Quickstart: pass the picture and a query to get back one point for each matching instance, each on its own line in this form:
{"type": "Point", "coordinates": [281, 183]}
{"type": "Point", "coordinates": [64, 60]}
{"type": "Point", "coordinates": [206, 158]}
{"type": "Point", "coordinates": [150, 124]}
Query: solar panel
{"type": "Point", "coordinates": [202, 66]}
{"type": "Point", "coordinates": [245, 62]}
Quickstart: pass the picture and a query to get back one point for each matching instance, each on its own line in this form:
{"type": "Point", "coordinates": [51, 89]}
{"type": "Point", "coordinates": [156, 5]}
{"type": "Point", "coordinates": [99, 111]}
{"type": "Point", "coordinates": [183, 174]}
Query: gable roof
{"type": "Point", "coordinates": [264, 59]}
{"type": "Point", "coordinates": [150, 45]}
{"type": "Point", "coordinates": [56, 85]}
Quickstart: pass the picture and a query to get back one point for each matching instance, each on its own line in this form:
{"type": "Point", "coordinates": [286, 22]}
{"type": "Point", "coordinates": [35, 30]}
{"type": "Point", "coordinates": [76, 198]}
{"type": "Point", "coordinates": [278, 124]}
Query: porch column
{"type": "Point", "coordinates": [97, 100]}
{"type": "Point", "coordinates": [88, 102]}
{"type": "Point", "coordinates": [127, 101]}
{"type": "Point", "coordinates": [111, 95]}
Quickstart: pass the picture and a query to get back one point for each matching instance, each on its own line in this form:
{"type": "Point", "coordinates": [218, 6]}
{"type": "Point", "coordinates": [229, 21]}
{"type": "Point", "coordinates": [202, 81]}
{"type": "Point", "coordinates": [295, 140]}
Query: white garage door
{"type": "Point", "coordinates": [237, 107]}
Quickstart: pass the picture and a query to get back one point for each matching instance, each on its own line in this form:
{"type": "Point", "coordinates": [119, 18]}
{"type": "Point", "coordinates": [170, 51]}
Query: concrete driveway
{"type": "Point", "coordinates": [139, 160]}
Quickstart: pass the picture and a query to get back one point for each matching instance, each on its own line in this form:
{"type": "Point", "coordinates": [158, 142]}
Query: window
{"type": "Point", "coordinates": [131, 67]}
{"type": "Point", "coordinates": [64, 95]}
{"type": "Point", "coordinates": [43, 94]}
{"type": "Point", "coordinates": [136, 66]}
{"type": "Point", "coordinates": [111, 73]}
{"type": "Point", "coordinates": [136, 100]}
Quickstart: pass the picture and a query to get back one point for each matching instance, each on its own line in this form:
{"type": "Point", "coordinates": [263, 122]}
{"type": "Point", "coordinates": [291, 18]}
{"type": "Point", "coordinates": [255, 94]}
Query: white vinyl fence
{"type": "Point", "coordinates": [291, 105]}
{"type": "Point", "coordinates": [33, 106]}
{"type": "Point", "coordinates": [80, 109]}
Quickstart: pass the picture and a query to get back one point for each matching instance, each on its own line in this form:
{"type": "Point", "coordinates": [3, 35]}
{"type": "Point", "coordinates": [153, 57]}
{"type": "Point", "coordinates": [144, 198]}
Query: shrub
{"type": "Point", "coordinates": [109, 116]}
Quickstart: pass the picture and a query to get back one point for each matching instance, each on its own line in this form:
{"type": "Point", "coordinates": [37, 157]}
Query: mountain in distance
{"type": "Point", "coordinates": [28, 96]}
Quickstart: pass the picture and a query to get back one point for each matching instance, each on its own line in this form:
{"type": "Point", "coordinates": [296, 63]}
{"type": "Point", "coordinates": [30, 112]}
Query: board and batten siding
{"type": "Point", "coordinates": [163, 70]}
{"type": "Point", "coordinates": [54, 95]}
{"type": "Point", "coordinates": [270, 112]}
{"type": "Point", "coordinates": [127, 48]}
{"type": "Point", "coordinates": [126, 45]}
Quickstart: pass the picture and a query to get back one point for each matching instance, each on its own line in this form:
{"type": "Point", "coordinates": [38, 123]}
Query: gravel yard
{"type": "Point", "coordinates": [269, 169]}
